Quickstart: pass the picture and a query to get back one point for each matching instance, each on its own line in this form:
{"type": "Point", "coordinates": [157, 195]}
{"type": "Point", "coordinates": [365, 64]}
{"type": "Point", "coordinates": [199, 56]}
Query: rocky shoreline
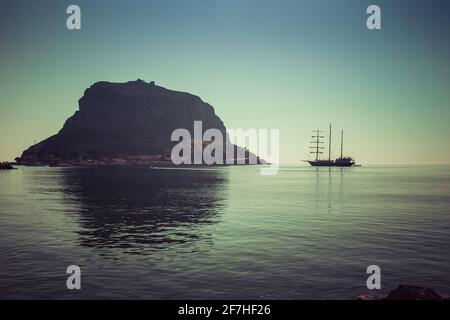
{"type": "Point", "coordinates": [117, 160]}
{"type": "Point", "coordinates": [6, 166]}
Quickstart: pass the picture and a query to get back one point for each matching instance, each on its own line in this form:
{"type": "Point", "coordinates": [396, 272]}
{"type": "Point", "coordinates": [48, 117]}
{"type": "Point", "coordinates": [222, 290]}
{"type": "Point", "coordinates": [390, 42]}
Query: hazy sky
{"type": "Point", "coordinates": [294, 65]}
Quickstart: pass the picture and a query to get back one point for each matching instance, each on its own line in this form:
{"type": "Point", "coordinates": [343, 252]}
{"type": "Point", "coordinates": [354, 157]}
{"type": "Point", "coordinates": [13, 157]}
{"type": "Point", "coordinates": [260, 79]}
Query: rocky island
{"type": "Point", "coordinates": [123, 123]}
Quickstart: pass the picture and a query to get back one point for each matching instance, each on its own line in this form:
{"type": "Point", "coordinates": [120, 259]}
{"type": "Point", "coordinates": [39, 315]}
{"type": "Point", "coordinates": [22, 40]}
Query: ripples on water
{"type": "Point", "coordinates": [227, 232]}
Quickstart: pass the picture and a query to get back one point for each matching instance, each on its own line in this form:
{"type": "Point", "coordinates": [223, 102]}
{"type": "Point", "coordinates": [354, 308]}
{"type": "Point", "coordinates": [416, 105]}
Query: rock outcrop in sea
{"type": "Point", "coordinates": [6, 166]}
{"type": "Point", "coordinates": [128, 122]}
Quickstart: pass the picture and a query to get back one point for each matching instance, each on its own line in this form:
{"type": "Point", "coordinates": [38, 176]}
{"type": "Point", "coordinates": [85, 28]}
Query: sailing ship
{"type": "Point", "coordinates": [318, 148]}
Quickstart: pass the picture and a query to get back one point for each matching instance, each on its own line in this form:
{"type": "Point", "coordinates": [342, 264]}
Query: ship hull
{"type": "Point", "coordinates": [330, 164]}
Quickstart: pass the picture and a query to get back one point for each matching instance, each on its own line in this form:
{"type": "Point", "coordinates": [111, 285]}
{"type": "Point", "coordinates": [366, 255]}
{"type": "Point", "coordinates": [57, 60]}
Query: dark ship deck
{"type": "Point", "coordinates": [339, 162]}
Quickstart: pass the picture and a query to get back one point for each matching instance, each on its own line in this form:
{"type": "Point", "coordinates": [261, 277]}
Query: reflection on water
{"type": "Point", "coordinates": [135, 209]}
{"type": "Point", "coordinates": [222, 233]}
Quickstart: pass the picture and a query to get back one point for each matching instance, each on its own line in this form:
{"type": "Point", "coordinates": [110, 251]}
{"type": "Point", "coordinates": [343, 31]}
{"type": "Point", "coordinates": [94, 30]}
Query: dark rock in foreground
{"type": "Point", "coordinates": [6, 166]}
{"type": "Point", "coordinates": [405, 292]}
{"type": "Point", "coordinates": [410, 292]}
{"type": "Point", "coordinates": [123, 123]}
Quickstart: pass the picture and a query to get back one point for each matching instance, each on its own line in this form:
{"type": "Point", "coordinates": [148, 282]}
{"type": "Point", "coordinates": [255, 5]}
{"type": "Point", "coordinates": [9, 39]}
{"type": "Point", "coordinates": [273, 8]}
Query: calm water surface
{"type": "Point", "coordinates": [138, 232]}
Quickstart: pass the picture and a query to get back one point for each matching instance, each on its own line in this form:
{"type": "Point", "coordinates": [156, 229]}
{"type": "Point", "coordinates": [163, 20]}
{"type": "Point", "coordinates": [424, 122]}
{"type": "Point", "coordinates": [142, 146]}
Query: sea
{"type": "Point", "coordinates": [138, 232]}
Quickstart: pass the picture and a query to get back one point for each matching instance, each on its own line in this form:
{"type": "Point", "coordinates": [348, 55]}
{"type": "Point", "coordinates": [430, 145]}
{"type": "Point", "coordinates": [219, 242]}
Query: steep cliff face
{"type": "Point", "coordinates": [124, 120]}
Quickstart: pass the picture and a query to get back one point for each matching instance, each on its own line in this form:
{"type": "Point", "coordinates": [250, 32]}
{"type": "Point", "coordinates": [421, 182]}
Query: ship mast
{"type": "Point", "coordinates": [342, 141]}
{"type": "Point", "coordinates": [329, 146]}
{"type": "Point", "coordinates": [317, 148]}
